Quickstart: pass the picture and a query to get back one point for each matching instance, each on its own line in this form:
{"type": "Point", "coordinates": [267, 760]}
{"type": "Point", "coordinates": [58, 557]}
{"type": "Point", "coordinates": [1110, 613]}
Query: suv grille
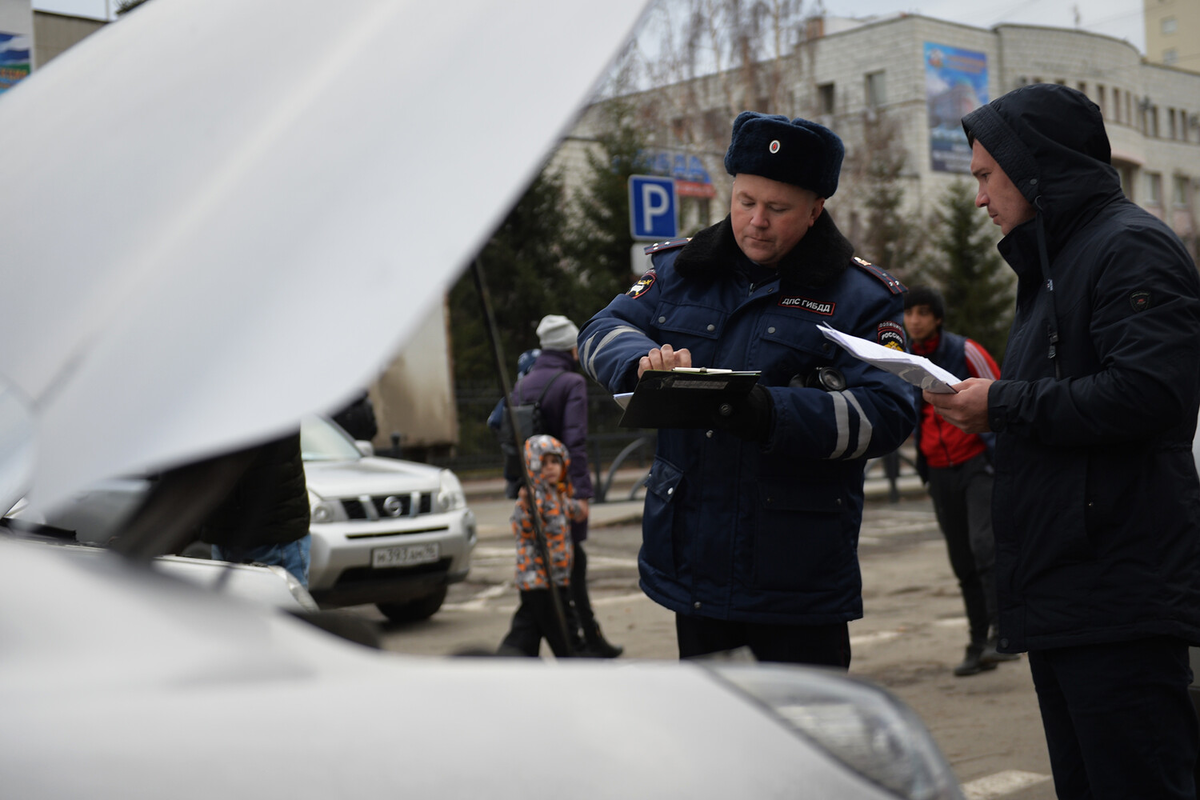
{"type": "Point", "coordinates": [388, 506]}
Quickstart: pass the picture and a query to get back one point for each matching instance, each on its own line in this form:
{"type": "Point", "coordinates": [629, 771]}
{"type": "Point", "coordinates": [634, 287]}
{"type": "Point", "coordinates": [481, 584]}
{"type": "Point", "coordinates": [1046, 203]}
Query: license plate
{"type": "Point", "coordinates": [405, 555]}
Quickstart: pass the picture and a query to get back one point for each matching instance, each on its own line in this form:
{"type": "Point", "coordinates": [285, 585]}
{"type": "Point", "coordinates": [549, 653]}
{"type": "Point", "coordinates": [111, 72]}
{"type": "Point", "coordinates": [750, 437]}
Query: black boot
{"type": "Point", "coordinates": [973, 663]}
{"type": "Point", "coordinates": [598, 646]}
{"type": "Point", "coordinates": [991, 656]}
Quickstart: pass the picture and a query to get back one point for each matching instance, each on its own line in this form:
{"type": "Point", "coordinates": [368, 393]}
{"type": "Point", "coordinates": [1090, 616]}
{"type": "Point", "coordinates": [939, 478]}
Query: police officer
{"type": "Point", "coordinates": [750, 528]}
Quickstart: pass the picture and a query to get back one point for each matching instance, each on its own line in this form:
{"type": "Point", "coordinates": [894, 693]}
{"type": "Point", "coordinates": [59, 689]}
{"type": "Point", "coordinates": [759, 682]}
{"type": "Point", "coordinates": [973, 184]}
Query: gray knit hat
{"type": "Point", "coordinates": [556, 332]}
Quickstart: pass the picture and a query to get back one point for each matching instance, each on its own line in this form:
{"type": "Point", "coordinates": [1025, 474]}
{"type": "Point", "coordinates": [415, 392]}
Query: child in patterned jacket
{"type": "Point", "coordinates": [535, 619]}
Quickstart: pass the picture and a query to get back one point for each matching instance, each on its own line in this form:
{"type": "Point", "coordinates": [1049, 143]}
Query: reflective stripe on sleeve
{"type": "Point", "coordinates": [864, 426]}
{"type": "Point", "coordinates": [589, 354]}
{"type": "Point", "coordinates": [841, 414]}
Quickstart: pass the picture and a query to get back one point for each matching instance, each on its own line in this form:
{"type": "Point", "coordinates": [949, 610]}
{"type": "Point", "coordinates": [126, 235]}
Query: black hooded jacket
{"type": "Point", "coordinates": [1096, 502]}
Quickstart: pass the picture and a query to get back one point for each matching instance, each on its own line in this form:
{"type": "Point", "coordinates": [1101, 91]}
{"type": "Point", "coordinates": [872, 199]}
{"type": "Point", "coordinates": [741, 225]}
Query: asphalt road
{"type": "Point", "coordinates": [913, 633]}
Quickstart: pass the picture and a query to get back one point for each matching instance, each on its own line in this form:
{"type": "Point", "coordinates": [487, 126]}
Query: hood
{"type": "Point", "coordinates": [186, 241]}
{"type": "Point", "coordinates": [1051, 143]}
{"type": "Point", "coordinates": [536, 447]}
{"type": "Point", "coordinates": [370, 476]}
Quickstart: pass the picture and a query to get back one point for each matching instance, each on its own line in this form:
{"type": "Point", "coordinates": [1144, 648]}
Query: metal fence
{"type": "Point", "coordinates": [478, 451]}
{"type": "Point", "coordinates": [610, 447]}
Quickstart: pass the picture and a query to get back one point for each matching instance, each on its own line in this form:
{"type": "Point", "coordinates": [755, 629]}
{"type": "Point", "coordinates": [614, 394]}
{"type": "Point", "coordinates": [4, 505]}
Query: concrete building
{"type": "Point", "coordinates": [53, 34]}
{"type": "Point", "coordinates": [896, 87]}
{"type": "Point", "coordinates": [1173, 33]}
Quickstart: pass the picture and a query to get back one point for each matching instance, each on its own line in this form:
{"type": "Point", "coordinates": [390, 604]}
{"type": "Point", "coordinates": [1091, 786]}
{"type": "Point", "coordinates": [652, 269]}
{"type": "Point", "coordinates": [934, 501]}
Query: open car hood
{"type": "Point", "coordinates": [207, 189]}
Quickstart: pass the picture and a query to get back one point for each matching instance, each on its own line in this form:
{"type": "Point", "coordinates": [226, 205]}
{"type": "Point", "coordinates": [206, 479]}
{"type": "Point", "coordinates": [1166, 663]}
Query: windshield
{"type": "Point", "coordinates": [321, 440]}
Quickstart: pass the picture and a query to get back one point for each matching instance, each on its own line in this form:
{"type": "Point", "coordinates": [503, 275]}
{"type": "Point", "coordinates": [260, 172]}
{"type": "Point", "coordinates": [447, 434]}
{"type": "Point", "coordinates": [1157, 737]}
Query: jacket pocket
{"type": "Point", "coordinates": [802, 542]}
{"type": "Point", "coordinates": [788, 348]}
{"type": "Point", "coordinates": [664, 484]}
{"type": "Point", "coordinates": [695, 327]}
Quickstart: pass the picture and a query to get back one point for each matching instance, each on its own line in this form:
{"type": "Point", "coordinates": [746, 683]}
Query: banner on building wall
{"type": "Point", "coordinates": [956, 82]}
{"type": "Point", "coordinates": [14, 59]}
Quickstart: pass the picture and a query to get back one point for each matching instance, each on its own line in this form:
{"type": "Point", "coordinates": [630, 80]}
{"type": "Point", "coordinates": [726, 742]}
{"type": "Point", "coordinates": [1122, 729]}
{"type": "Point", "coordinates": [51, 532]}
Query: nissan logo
{"type": "Point", "coordinates": [392, 506]}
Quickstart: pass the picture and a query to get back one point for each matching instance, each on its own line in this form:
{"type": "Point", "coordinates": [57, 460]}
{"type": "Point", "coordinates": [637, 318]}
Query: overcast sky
{"type": "Point", "coordinates": [1119, 18]}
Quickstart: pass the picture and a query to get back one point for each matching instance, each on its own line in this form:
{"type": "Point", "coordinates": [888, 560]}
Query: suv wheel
{"type": "Point", "coordinates": [414, 610]}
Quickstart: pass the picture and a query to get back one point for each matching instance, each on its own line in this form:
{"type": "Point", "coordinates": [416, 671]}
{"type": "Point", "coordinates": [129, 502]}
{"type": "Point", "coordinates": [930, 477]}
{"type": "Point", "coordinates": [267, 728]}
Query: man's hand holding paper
{"type": "Point", "coordinates": [967, 408]}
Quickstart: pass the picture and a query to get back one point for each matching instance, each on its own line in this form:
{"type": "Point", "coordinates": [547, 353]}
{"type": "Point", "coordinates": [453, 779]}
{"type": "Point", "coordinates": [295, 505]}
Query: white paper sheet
{"type": "Point", "coordinates": [917, 370]}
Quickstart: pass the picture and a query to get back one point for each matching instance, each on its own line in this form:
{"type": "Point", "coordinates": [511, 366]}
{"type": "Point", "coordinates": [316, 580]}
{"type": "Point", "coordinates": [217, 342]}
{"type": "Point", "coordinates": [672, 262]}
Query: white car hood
{"type": "Point", "coordinates": [202, 196]}
{"type": "Point", "coordinates": [369, 476]}
{"type": "Point", "coordinates": [155, 689]}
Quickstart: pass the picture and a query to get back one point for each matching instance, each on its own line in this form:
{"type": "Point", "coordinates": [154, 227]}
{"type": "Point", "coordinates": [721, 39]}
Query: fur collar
{"type": "Point", "coordinates": [818, 260]}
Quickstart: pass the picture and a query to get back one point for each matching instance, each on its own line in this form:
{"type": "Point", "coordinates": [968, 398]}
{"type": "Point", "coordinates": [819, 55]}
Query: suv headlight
{"type": "Point", "coordinates": [450, 496]}
{"type": "Point", "coordinates": [320, 510]}
{"type": "Point", "coordinates": [860, 725]}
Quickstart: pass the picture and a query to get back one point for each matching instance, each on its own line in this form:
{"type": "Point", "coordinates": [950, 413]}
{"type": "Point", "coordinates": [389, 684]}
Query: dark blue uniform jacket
{"type": "Point", "coordinates": [738, 530]}
{"type": "Point", "coordinates": [1096, 503]}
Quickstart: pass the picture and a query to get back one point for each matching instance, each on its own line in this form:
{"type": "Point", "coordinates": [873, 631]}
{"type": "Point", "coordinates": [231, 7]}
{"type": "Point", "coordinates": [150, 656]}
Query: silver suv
{"type": "Point", "coordinates": [393, 533]}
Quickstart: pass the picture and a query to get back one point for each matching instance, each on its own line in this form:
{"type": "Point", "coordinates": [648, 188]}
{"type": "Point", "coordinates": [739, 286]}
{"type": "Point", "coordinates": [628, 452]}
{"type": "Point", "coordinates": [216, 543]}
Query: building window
{"type": "Point", "coordinates": [1170, 57]}
{"type": "Point", "coordinates": [1100, 101]}
{"type": "Point", "coordinates": [1183, 124]}
{"type": "Point", "coordinates": [1082, 86]}
{"type": "Point", "coordinates": [1182, 191]}
{"type": "Point", "coordinates": [1129, 108]}
{"type": "Point", "coordinates": [1169, 26]}
{"type": "Point", "coordinates": [1116, 104]}
{"type": "Point", "coordinates": [1126, 173]}
{"type": "Point", "coordinates": [876, 89]}
{"type": "Point", "coordinates": [1154, 188]}
{"type": "Point", "coordinates": [1152, 119]}
{"type": "Point", "coordinates": [825, 98]}
{"type": "Point", "coordinates": [1170, 123]}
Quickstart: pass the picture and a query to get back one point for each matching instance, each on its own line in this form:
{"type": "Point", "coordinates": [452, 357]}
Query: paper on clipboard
{"type": "Point", "coordinates": [917, 370]}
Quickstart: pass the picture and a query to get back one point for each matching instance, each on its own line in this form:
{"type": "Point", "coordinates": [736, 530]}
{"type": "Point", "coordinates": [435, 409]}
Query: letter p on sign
{"type": "Point", "coordinates": [653, 208]}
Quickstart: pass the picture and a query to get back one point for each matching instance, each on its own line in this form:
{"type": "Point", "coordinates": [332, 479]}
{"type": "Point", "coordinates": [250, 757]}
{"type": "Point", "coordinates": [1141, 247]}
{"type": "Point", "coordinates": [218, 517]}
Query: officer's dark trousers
{"type": "Point", "coordinates": [1118, 720]}
{"type": "Point", "coordinates": [962, 499]}
{"type": "Point", "coordinates": [823, 645]}
{"type": "Point", "coordinates": [533, 620]}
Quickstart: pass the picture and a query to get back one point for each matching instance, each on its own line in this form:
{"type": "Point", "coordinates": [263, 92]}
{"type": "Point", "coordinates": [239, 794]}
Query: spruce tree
{"type": "Point", "coordinates": [975, 282]}
{"type": "Point", "coordinates": [528, 277]}
{"type": "Point", "coordinates": [600, 240]}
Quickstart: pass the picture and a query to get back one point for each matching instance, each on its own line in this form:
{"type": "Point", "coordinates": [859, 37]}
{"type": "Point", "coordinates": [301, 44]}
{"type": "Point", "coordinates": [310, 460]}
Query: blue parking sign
{"type": "Point", "coordinates": [653, 208]}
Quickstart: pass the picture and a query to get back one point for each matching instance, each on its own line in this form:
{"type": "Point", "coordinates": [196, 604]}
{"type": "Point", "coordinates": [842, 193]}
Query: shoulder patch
{"type": "Point", "coordinates": [643, 285]}
{"type": "Point", "coordinates": [659, 247]}
{"type": "Point", "coordinates": [890, 334]}
{"type": "Point", "coordinates": [1140, 301]}
{"type": "Point", "coordinates": [893, 285]}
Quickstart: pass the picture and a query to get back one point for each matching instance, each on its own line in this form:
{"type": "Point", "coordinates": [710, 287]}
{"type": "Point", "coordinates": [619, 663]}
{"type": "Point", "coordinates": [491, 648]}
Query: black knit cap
{"type": "Point", "coordinates": [795, 151]}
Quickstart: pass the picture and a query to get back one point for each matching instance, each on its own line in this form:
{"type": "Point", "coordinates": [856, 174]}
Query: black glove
{"type": "Point", "coordinates": [748, 418]}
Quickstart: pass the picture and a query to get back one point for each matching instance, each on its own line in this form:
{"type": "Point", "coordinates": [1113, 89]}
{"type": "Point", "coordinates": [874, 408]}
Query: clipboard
{"type": "Point", "coordinates": [685, 397]}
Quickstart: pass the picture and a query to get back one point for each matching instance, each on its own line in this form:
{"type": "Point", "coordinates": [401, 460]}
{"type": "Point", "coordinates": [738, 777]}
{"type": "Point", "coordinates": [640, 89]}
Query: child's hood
{"type": "Point", "coordinates": [541, 445]}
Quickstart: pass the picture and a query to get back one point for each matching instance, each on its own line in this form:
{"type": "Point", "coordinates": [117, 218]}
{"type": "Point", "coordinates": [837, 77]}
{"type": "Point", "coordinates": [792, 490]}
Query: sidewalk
{"type": "Point", "coordinates": [492, 509]}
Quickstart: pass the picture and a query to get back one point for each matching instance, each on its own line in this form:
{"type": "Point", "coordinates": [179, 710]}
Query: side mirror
{"type": "Point", "coordinates": [364, 447]}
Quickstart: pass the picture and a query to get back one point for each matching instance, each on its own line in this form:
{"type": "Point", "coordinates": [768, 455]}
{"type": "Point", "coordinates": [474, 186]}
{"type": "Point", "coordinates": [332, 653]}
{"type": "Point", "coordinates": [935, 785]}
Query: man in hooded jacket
{"type": "Point", "coordinates": [1096, 503]}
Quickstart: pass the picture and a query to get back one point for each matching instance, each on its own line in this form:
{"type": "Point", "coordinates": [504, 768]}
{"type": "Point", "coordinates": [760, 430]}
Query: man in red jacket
{"type": "Point", "coordinates": [958, 470]}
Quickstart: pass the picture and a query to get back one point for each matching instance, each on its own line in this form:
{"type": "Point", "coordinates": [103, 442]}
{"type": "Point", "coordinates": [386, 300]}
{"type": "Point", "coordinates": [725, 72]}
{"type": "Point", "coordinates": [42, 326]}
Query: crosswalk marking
{"type": "Point", "coordinates": [1001, 783]}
